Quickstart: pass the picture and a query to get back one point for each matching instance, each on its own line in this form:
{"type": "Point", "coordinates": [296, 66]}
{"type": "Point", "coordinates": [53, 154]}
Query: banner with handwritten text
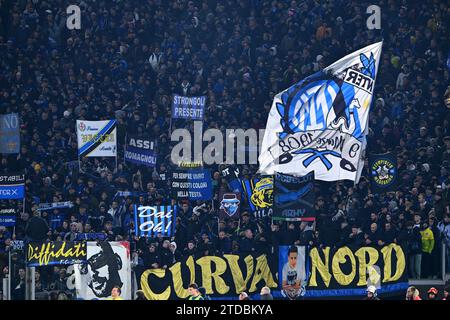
{"type": "Point", "coordinates": [55, 252]}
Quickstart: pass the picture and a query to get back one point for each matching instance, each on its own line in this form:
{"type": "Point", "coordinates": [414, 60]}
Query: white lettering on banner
{"type": "Point", "coordinates": [140, 157]}
{"type": "Point", "coordinates": [188, 112]}
{"type": "Point", "coordinates": [147, 212]}
{"type": "Point", "coordinates": [293, 212]}
{"type": "Point", "coordinates": [10, 121]}
{"type": "Point", "coordinates": [192, 101]}
{"type": "Point", "coordinates": [9, 192]}
{"type": "Point", "coordinates": [19, 178]}
{"type": "Point", "coordinates": [151, 226]}
{"type": "Point", "coordinates": [143, 144]}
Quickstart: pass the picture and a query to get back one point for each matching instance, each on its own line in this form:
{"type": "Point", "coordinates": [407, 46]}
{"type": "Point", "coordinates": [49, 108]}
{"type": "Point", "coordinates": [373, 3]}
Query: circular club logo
{"type": "Point", "coordinates": [82, 126]}
{"type": "Point", "coordinates": [383, 172]}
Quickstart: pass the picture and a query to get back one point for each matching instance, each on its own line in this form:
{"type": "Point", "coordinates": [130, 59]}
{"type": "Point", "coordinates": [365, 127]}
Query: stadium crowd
{"type": "Point", "coordinates": [129, 58]}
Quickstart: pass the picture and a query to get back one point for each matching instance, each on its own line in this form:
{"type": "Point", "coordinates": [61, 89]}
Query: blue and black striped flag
{"type": "Point", "coordinates": [151, 220]}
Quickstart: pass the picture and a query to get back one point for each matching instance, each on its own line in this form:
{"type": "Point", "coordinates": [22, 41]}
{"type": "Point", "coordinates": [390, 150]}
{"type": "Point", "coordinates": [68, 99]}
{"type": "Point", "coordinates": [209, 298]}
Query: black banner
{"type": "Point", "coordinates": [324, 273]}
{"type": "Point", "coordinates": [294, 197]}
{"type": "Point", "coordinates": [56, 252]}
{"type": "Point", "coordinates": [231, 175]}
{"type": "Point", "coordinates": [383, 172]}
{"type": "Point", "coordinates": [220, 276]}
{"type": "Point", "coordinates": [348, 272]}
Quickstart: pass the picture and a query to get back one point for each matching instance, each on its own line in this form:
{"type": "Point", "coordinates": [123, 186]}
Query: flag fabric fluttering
{"type": "Point", "coordinates": [320, 123]}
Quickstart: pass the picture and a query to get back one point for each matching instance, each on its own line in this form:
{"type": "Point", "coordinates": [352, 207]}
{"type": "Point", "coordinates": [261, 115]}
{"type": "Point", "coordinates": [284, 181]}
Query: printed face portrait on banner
{"type": "Point", "coordinates": [104, 267]}
{"type": "Point", "coordinates": [108, 265]}
{"type": "Point", "coordinates": [292, 268]}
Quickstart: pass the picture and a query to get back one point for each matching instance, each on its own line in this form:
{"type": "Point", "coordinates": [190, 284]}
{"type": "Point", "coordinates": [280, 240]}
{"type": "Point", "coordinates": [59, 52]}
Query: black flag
{"type": "Point", "coordinates": [383, 172]}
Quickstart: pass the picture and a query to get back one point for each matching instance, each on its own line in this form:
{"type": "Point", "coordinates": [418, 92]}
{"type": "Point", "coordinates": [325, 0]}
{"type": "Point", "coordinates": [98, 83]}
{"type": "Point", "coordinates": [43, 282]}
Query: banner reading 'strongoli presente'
{"type": "Point", "coordinates": [188, 107]}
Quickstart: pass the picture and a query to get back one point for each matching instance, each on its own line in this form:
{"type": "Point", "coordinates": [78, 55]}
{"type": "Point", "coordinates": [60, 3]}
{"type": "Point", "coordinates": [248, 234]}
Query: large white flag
{"type": "Point", "coordinates": [97, 138]}
{"type": "Point", "coordinates": [320, 123]}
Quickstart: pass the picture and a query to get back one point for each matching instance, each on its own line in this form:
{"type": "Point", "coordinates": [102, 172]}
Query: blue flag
{"type": "Point", "coordinates": [151, 220]}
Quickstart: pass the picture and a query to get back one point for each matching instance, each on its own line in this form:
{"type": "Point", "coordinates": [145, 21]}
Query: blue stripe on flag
{"type": "Point", "coordinates": [101, 133]}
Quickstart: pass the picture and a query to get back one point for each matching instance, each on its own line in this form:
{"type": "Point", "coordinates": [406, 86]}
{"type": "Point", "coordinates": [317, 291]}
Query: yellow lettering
{"type": "Point", "coordinates": [365, 265]}
{"type": "Point", "coordinates": [317, 264]}
{"type": "Point", "coordinates": [208, 275]}
{"type": "Point", "coordinates": [401, 263]}
{"type": "Point", "coordinates": [339, 258]}
{"type": "Point", "coordinates": [149, 294]}
{"type": "Point", "coordinates": [262, 272]}
{"type": "Point", "coordinates": [177, 278]}
{"type": "Point", "coordinates": [239, 282]}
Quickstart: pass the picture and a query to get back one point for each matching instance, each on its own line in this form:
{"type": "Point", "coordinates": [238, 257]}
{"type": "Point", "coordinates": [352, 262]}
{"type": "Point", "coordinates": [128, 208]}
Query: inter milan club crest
{"type": "Point", "coordinates": [383, 172]}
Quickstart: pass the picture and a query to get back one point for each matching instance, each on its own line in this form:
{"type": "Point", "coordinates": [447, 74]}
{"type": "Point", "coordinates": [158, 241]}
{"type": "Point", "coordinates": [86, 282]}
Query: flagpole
{"type": "Point", "coordinates": [9, 273]}
{"type": "Point", "coordinates": [125, 147]}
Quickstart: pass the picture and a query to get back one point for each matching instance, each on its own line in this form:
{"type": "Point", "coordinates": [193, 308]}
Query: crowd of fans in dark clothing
{"type": "Point", "coordinates": [130, 57]}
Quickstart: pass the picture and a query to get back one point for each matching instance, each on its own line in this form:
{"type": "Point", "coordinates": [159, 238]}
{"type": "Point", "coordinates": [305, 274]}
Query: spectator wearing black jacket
{"type": "Point", "coordinates": [175, 253]}
{"type": "Point", "coordinates": [389, 233]}
{"type": "Point", "coordinates": [373, 238]}
{"type": "Point", "coordinates": [167, 257]}
{"type": "Point", "coordinates": [205, 246]}
{"type": "Point", "coordinates": [190, 249]}
{"type": "Point", "coordinates": [355, 239]}
{"type": "Point", "coordinates": [414, 249]}
{"type": "Point", "coordinates": [223, 245]}
{"type": "Point", "coordinates": [151, 257]}
{"type": "Point", "coordinates": [290, 235]}
{"type": "Point", "coordinates": [247, 242]}
{"type": "Point", "coordinates": [36, 228]}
